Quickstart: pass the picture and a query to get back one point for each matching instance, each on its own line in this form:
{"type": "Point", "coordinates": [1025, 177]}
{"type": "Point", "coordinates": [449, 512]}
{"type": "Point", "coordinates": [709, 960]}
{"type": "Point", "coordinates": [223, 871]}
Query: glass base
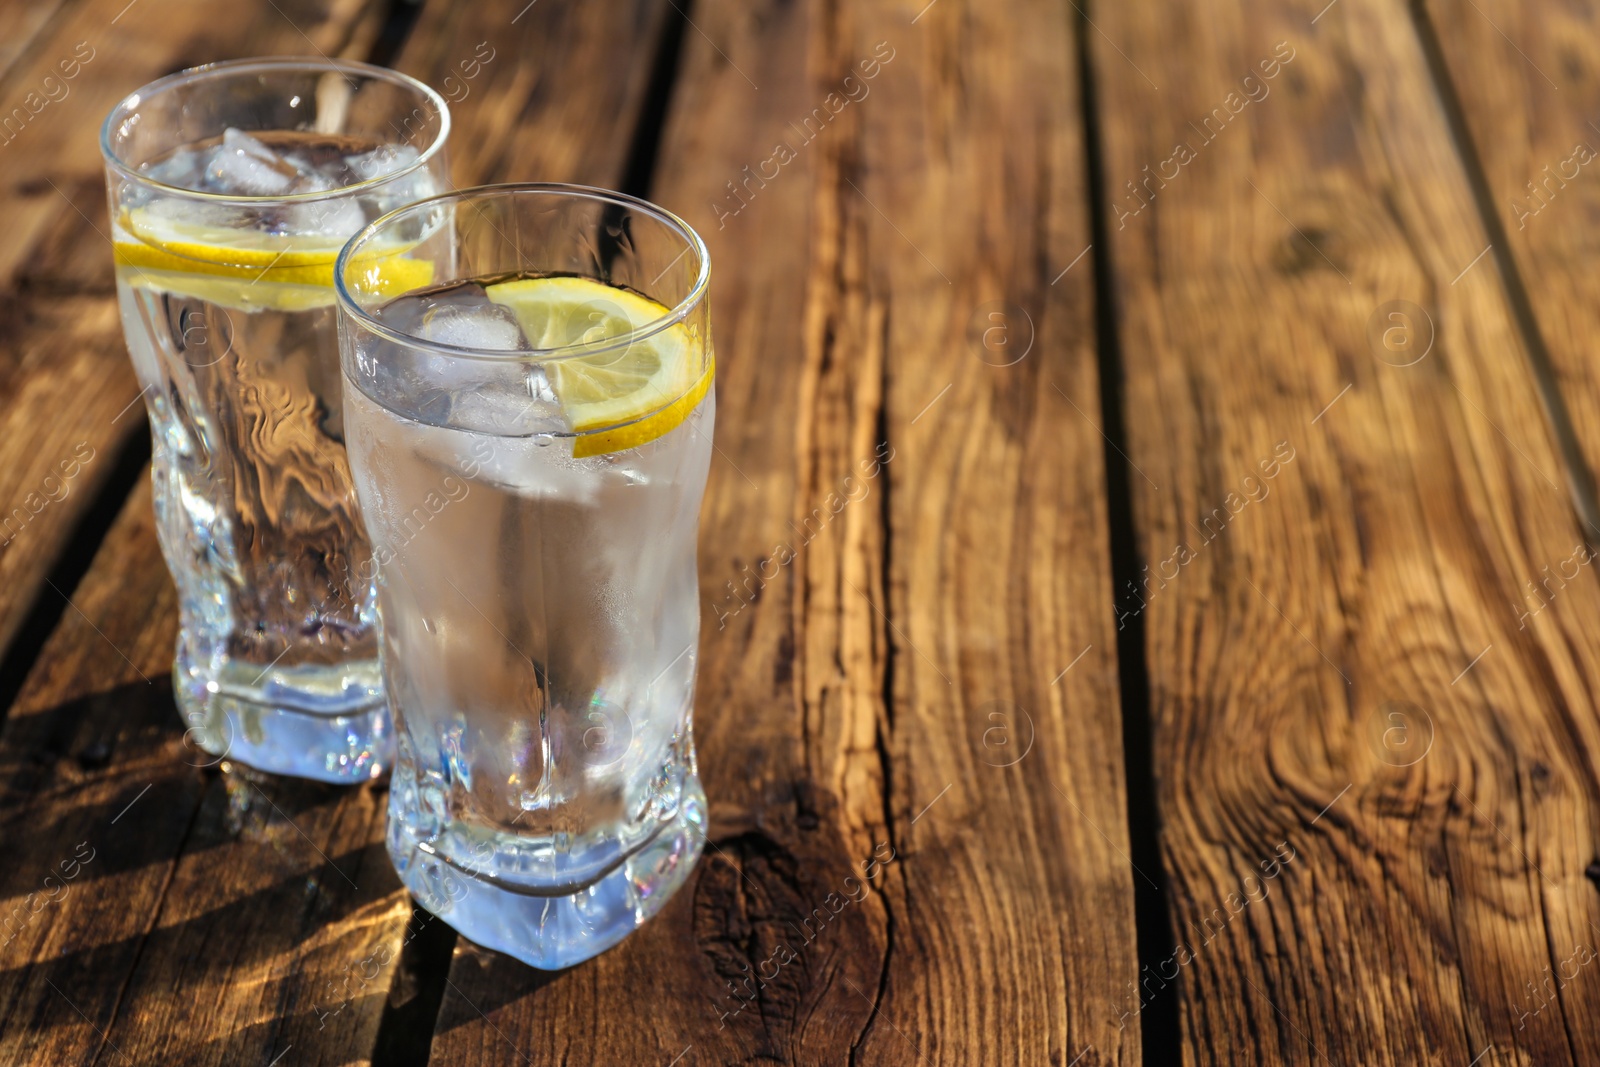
{"type": "Point", "coordinates": [552, 932]}
{"type": "Point", "coordinates": [283, 728]}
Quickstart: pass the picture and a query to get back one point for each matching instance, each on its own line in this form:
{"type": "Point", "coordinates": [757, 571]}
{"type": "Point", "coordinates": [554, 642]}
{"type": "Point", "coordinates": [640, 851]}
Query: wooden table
{"type": "Point", "coordinates": [1209, 670]}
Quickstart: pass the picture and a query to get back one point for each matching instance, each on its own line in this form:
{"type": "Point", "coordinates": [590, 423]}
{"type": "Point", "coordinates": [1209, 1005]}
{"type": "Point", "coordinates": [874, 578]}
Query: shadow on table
{"type": "Point", "coordinates": [187, 882]}
{"type": "Point", "coordinates": [126, 748]}
{"type": "Point", "coordinates": [496, 980]}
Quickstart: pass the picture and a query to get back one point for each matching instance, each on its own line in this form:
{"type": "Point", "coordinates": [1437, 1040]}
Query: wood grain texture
{"type": "Point", "coordinates": [19, 25]}
{"type": "Point", "coordinates": [253, 917]}
{"type": "Point", "coordinates": [68, 404]}
{"type": "Point", "coordinates": [217, 918]}
{"type": "Point", "coordinates": [844, 701]}
{"type": "Point", "coordinates": [1017, 939]}
{"type": "Point", "coordinates": [1527, 81]}
{"type": "Point", "coordinates": [1342, 683]}
{"type": "Point", "coordinates": [91, 730]}
{"type": "Point", "coordinates": [1371, 633]}
{"type": "Point", "coordinates": [155, 913]}
{"type": "Point", "coordinates": [538, 107]}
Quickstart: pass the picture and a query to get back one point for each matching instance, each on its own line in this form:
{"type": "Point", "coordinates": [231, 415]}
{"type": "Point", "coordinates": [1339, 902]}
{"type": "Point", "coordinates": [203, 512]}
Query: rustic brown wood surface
{"type": "Point", "coordinates": [1212, 647]}
{"type": "Point", "coordinates": [1377, 783]}
{"type": "Point", "coordinates": [1524, 84]}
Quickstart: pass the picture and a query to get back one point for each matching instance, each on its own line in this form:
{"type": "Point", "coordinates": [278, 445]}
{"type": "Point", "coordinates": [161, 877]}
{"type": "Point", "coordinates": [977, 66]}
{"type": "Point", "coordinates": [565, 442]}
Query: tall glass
{"type": "Point", "coordinates": [232, 189]}
{"type": "Point", "coordinates": [530, 435]}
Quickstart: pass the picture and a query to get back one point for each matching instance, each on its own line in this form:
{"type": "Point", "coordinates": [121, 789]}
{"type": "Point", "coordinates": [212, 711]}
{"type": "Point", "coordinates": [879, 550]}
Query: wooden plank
{"type": "Point", "coordinates": [1377, 786]}
{"type": "Point", "coordinates": [91, 809]}
{"type": "Point", "coordinates": [19, 25]}
{"type": "Point", "coordinates": [973, 200]}
{"type": "Point", "coordinates": [250, 939]}
{"type": "Point", "coordinates": [264, 915]}
{"type": "Point", "coordinates": [539, 95]}
{"type": "Point", "coordinates": [842, 712]}
{"type": "Point", "coordinates": [212, 917]}
{"type": "Point", "coordinates": [60, 355]}
{"type": "Point", "coordinates": [1520, 74]}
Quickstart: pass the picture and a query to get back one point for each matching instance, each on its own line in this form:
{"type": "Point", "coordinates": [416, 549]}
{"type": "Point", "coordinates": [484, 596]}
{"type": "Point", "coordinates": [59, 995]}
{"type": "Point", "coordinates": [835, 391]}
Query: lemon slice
{"type": "Point", "coordinates": [247, 269]}
{"type": "Point", "coordinates": [624, 395]}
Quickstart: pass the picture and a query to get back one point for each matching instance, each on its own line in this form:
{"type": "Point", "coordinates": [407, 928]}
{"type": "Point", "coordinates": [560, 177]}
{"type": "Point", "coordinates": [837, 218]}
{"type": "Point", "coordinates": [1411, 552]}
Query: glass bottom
{"type": "Point", "coordinates": [302, 723]}
{"type": "Point", "coordinates": [554, 931]}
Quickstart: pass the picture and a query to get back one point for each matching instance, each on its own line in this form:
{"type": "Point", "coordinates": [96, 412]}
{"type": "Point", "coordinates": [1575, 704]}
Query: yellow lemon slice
{"type": "Point", "coordinates": [247, 269]}
{"type": "Point", "coordinates": [624, 395]}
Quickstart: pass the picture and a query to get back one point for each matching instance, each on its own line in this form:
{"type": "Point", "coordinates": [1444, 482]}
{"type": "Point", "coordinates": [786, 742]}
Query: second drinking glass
{"type": "Point", "coordinates": [233, 188]}
{"type": "Point", "coordinates": [530, 433]}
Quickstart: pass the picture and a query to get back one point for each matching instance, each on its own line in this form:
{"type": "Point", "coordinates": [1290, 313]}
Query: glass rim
{"type": "Point", "coordinates": [128, 104]}
{"type": "Point", "coordinates": [674, 316]}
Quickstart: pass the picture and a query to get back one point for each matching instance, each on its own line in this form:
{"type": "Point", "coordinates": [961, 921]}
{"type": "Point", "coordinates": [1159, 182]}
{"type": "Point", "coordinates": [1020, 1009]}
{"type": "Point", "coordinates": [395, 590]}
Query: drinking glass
{"type": "Point", "coordinates": [232, 189]}
{"type": "Point", "coordinates": [530, 433]}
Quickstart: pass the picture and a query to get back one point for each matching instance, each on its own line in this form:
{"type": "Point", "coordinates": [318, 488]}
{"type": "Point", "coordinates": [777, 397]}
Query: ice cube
{"type": "Point", "coordinates": [462, 316]}
{"type": "Point", "coordinates": [309, 180]}
{"type": "Point", "coordinates": [537, 464]}
{"type": "Point", "coordinates": [339, 217]}
{"type": "Point", "coordinates": [243, 166]}
{"type": "Point", "coordinates": [381, 161]}
{"type": "Point", "coordinates": [499, 403]}
{"type": "Point", "coordinates": [404, 313]}
{"type": "Point", "coordinates": [490, 326]}
{"type": "Point", "coordinates": [184, 168]}
{"type": "Point", "coordinates": [488, 395]}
